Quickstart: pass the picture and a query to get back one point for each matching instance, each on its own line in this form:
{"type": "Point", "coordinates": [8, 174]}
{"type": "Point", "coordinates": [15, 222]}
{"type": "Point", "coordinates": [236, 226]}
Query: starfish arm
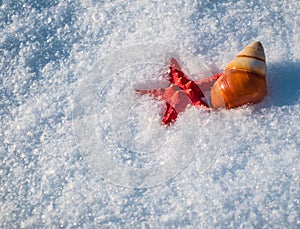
{"type": "Point", "coordinates": [207, 83]}
{"type": "Point", "coordinates": [176, 75]}
{"type": "Point", "coordinates": [170, 115]}
{"type": "Point", "coordinates": [195, 94]}
{"type": "Point", "coordinates": [197, 99]}
{"type": "Point", "coordinates": [174, 63]}
{"type": "Point", "coordinates": [157, 92]}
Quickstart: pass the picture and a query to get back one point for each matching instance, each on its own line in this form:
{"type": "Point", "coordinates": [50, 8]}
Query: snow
{"type": "Point", "coordinates": [79, 149]}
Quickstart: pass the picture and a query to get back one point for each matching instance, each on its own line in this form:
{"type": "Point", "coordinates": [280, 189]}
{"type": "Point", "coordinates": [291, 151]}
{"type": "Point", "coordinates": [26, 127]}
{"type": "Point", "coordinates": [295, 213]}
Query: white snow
{"type": "Point", "coordinates": [78, 148]}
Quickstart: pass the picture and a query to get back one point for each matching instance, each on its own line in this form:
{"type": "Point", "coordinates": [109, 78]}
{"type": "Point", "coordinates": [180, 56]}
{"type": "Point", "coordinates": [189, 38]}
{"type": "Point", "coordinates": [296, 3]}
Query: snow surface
{"type": "Point", "coordinates": [78, 149]}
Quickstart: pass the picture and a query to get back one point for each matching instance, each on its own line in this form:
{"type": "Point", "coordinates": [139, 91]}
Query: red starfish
{"type": "Point", "coordinates": [181, 92]}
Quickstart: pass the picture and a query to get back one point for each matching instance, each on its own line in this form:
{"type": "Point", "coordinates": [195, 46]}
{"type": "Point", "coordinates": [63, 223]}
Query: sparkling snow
{"type": "Point", "coordinates": [78, 149]}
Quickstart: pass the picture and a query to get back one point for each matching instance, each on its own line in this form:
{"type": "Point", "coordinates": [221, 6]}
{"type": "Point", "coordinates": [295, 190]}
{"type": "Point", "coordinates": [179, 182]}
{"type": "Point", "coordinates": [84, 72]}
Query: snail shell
{"type": "Point", "coordinates": [244, 79]}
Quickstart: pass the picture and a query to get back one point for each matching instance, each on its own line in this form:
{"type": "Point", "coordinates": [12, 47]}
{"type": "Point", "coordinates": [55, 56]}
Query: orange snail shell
{"type": "Point", "coordinates": [244, 80]}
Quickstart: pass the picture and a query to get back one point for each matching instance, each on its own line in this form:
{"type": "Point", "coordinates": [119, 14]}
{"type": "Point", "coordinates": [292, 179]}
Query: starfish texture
{"type": "Point", "coordinates": [181, 92]}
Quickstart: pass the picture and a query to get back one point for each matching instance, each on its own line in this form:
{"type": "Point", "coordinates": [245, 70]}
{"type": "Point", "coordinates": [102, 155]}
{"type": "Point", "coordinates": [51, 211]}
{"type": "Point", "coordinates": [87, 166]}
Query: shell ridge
{"type": "Point", "coordinates": [254, 57]}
